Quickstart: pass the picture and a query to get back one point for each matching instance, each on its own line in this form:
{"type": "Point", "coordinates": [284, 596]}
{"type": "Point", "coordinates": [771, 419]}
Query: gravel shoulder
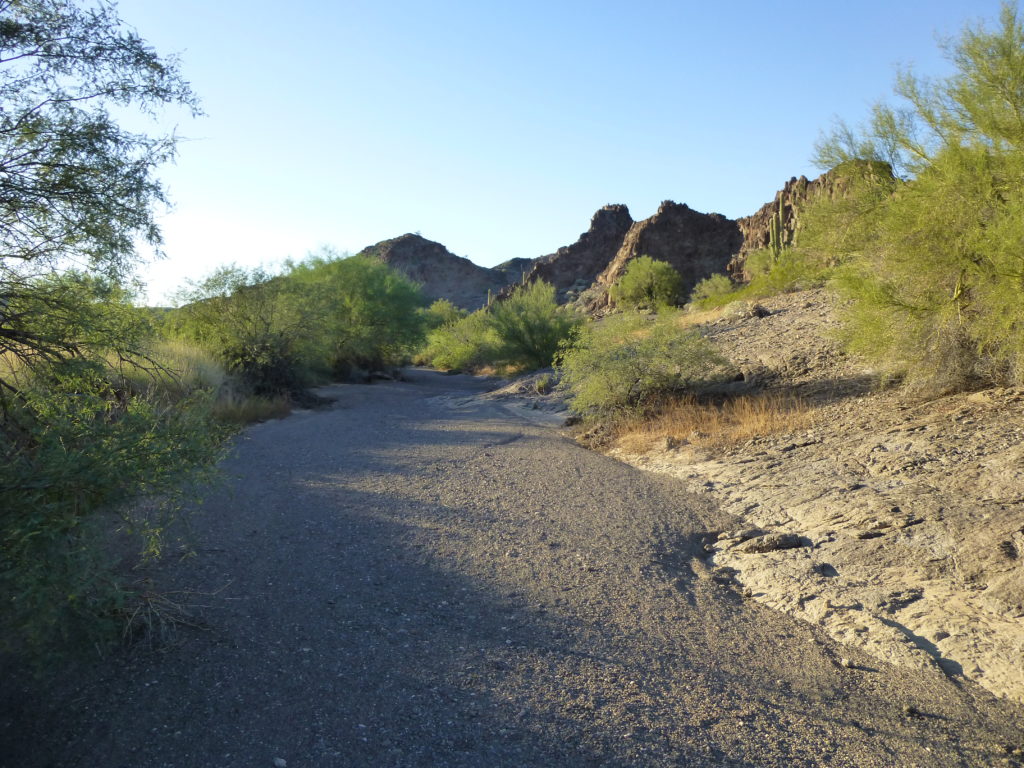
{"type": "Point", "coordinates": [417, 577]}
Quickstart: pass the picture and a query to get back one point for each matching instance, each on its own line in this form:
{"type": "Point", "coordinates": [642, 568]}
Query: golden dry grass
{"type": "Point", "coordinates": [714, 427]}
{"type": "Point", "coordinates": [231, 408]}
{"type": "Point", "coordinates": [699, 317]}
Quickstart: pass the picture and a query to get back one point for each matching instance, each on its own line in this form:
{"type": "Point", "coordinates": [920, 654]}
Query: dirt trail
{"type": "Point", "coordinates": [417, 578]}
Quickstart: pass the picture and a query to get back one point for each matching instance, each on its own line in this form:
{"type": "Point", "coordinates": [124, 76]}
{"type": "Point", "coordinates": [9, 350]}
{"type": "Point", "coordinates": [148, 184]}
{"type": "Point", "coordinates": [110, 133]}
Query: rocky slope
{"type": "Point", "coordinates": [574, 268]}
{"type": "Point", "coordinates": [441, 273]}
{"type": "Point", "coordinates": [896, 525]}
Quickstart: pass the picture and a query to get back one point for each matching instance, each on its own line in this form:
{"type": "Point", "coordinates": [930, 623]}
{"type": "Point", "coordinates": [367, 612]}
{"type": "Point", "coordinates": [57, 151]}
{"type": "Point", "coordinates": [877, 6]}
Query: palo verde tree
{"type": "Point", "coordinates": [77, 190]}
{"type": "Point", "coordinates": [932, 222]}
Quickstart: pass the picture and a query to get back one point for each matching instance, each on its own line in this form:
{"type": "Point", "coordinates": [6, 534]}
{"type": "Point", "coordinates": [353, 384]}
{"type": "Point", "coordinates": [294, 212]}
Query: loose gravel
{"type": "Point", "coordinates": [420, 578]}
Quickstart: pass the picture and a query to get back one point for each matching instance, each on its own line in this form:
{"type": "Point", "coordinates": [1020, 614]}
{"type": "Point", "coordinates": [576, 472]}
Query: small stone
{"type": "Point", "coordinates": [280, 762]}
{"type": "Point", "coordinates": [911, 711]}
{"type": "Point", "coordinates": [770, 543]}
{"type": "Point", "coordinates": [846, 663]}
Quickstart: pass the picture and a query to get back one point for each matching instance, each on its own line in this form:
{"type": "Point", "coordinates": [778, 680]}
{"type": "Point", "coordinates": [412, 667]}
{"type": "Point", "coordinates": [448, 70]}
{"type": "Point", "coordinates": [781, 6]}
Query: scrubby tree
{"type": "Point", "coordinates": [76, 188]}
{"type": "Point", "coordinates": [521, 331]}
{"type": "Point", "coordinates": [932, 222]}
{"type": "Point", "coordinates": [647, 283]}
{"type": "Point", "coordinates": [530, 326]}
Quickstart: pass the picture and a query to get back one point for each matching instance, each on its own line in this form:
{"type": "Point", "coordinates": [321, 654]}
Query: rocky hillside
{"type": "Point", "coordinates": [441, 273]}
{"type": "Point", "coordinates": [696, 244]}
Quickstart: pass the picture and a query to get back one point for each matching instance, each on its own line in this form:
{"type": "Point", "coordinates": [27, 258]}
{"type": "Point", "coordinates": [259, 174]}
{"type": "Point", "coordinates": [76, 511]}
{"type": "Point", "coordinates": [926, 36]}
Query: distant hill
{"type": "Point", "coordinates": [440, 273]}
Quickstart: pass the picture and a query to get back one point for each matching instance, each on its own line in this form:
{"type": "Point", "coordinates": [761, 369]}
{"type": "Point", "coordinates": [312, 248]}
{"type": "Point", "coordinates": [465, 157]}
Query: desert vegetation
{"type": "Point", "coordinates": [923, 240]}
{"type": "Point", "coordinates": [631, 363]}
{"type": "Point", "coordinates": [521, 332]}
{"type": "Point", "coordinates": [112, 414]}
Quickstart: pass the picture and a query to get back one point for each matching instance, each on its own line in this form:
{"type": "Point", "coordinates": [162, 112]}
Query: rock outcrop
{"type": "Point", "coordinates": [573, 268]}
{"type": "Point", "coordinates": [782, 215]}
{"type": "Point", "coordinates": [696, 244]}
{"type": "Point", "coordinates": [440, 273]}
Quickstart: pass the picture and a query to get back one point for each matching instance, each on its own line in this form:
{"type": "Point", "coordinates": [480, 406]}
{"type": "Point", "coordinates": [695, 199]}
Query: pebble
{"type": "Point", "coordinates": [280, 762]}
{"type": "Point", "coordinates": [846, 663]}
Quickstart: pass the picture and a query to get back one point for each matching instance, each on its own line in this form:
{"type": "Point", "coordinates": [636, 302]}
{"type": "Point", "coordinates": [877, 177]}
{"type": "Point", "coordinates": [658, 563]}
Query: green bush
{"type": "Point", "coordinates": [523, 331]}
{"type": "Point", "coordinates": [322, 317]}
{"type": "Point", "coordinates": [647, 283]}
{"type": "Point", "coordinates": [76, 449]}
{"type": "Point", "coordinates": [530, 326]}
{"type": "Point", "coordinates": [465, 345]}
{"type": "Point", "coordinates": [630, 362]}
{"type": "Point", "coordinates": [441, 313]}
{"type": "Point", "coordinates": [792, 269]}
{"type": "Point", "coordinates": [932, 252]}
{"type": "Point", "coordinates": [713, 286]}
{"type": "Point", "coordinates": [357, 312]}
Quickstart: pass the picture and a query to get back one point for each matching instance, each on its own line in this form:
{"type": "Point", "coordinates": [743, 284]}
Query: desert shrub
{"type": "Point", "coordinates": [465, 345]}
{"type": "Point", "coordinates": [244, 317]}
{"type": "Point", "coordinates": [932, 253]}
{"type": "Point", "coordinates": [530, 326]}
{"type": "Point", "coordinates": [441, 313]}
{"type": "Point", "coordinates": [715, 285]}
{"type": "Point", "coordinates": [628, 363]}
{"type": "Point", "coordinates": [523, 331]}
{"type": "Point", "coordinates": [322, 317]}
{"type": "Point", "coordinates": [77, 449]}
{"type": "Point", "coordinates": [792, 269]}
{"type": "Point", "coordinates": [647, 283]}
{"type": "Point", "coordinates": [357, 312]}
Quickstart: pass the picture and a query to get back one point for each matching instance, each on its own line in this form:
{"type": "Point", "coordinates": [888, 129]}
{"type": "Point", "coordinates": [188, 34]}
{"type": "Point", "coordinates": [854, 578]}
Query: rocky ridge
{"type": "Point", "coordinates": [896, 525]}
{"type": "Point", "coordinates": [574, 268]}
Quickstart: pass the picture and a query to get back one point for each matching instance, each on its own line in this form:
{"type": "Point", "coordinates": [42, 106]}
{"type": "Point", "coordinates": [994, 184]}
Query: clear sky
{"type": "Point", "coordinates": [498, 128]}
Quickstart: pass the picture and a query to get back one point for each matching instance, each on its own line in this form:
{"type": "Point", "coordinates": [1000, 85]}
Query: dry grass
{"type": "Point", "coordinates": [714, 427]}
{"type": "Point", "coordinates": [231, 408]}
{"type": "Point", "coordinates": [700, 317]}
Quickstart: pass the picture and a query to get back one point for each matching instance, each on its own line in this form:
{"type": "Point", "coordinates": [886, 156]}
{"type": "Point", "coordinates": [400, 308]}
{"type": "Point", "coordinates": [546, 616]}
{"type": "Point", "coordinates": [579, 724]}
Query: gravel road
{"type": "Point", "coordinates": [419, 578]}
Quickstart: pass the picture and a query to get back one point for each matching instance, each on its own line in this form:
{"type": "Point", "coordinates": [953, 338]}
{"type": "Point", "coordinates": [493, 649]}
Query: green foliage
{"type": "Point", "coordinates": [75, 449]}
{"type": "Point", "coordinates": [630, 362]}
{"type": "Point", "coordinates": [523, 331]}
{"type": "Point", "coordinates": [79, 440]}
{"type": "Point", "coordinates": [243, 317]}
{"type": "Point", "coordinates": [323, 317]}
{"type": "Point", "coordinates": [933, 257]}
{"type": "Point", "coordinates": [441, 313]}
{"type": "Point", "coordinates": [647, 283]}
{"type": "Point", "coordinates": [795, 269]}
{"type": "Point", "coordinates": [364, 314]}
{"type": "Point", "coordinates": [465, 345]}
{"type": "Point", "coordinates": [715, 285]}
{"type": "Point", "coordinates": [530, 326]}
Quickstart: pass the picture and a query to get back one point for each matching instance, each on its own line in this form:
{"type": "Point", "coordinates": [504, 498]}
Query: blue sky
{"type": "Point", "coordinates": [499, 128]}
